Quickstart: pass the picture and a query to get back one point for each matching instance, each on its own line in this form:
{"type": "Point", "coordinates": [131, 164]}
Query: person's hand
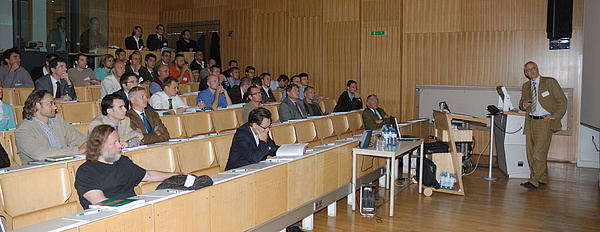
{"type": "Point", "coordinates": [64, 98]}
{"type": "Point", "coordinates": [124, 144]}
{"type": "Point", "coordinates": [379, 121]}
{"type": "Point", "coordinates": [157, 133]}
{"type": "Point", "coordinates": [320, 98]}
{"type": "Point", "coordinates": [387, 116]}
{"type": "Point", "coordinates": [140, 135]}
{"type": "Point", "coordinates": [180, 110]}
{"type": "Point", "coordinates": [201, 105]}
{"type": "Point", "coordinates": [222, 78]}
{"type": "Point", "coordinates": [548, 117]}
{"type": "Point", "coordinates": [14, 67]}
{"type": "Point", "coordinates": [145, 49]}
{"type": "Point", "coordinates": [527, 103]}
{"type": "Point", "coordinates": [83, 148]}
{"type": "Point", "coordinates": [356, 94]}
{"type": "Point", "coordinates": [220, 89]}
{"type": "Point", "coordinates": [191, 49]}
{"type": "Point", "coordinates": [186, 68]}
{"type": "Point", "coordinates": [263, 135]}
{"type": "Point", "coordinates": [170, 111]}
{"type": "Point", "coordinates": [195, 71]}
{"type": "Point", "coordinates": [139, 131]}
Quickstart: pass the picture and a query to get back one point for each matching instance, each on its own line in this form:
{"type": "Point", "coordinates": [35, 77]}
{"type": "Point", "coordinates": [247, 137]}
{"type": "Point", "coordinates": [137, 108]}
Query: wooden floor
{"type": "Point", "coordinates": [570, 202]}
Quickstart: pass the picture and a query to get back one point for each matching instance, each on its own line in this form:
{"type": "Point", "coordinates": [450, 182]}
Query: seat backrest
{"type": "Point", "coordinates": [22, 94]}
{"type": "Point", "coordinates": [195, 155]}
{"type": "Point", "coordinates": [194, 86]}
{"type": "Point", "coordinates": [10, 96]}
{"type": "Point", "coordinates": [94, 91]}
{"type": "Point", "coordinates": [161, 158]}
{"type": "Point", "coordinates": [305, 131]}
{"type": "Point", "coordinates": [324, 127]}
{"type": "Point", "coordinates": [278, 94]}
{"type": "Point", "coordinates": [328, 105]}
{"type": "Point", "coordinates": [340, 124]}
{"type": "Point", "coordinates": [18, 110]}
{"type": "Point", "coordinates": [185, 88]}
{"type": "Point", "coordinates": [10, 146]}
{"type": "Point", "coordinates": [197, 123]}
{"type": "Point", "coordinates": [238, 116]}
{"type": "Point", "coordinates": [274, 112]}
{"type": "Point", "coordinates": [83, 128]}
{"type": "Point", "coordinates": [189, 100]}
{"type": "Point", "coordinates": [283, 134]}
{"type": "Point", "coordinates": [74, 112]}
{"type": "Point", "coordinates": [174, 125]}
{"type": "Point", "coordinates": [355, 121]}
{"type": "Point", "coordinates": [224, 120]}
{"type": "Point", "coordinates": [222, 145]}
{"type": "Point", "coordinates": [82, 93]}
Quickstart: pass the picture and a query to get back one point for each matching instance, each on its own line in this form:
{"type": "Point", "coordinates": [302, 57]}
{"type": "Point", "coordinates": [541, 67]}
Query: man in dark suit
{"type": "Point", "coordinates": [127, 81]}
{"type": "Point", "coordinates": [144, 119]}
{"type": "Point", "coordinates": [57, 82]}
{"type": "Point", "coordinates": [251, 142]}
{"type": "Point", "coordinates": [265, 90]}
{"type": "Point", "coordinates": [157, 41]}
{"type": "Point", "coordinates": [349, 99]}
{"type": "Point", "coordinates": [373, 116]}
{"type": "Point", "coordinates": [57, 38]}
{"type": "Point", "coordinates": [237, 92]}
{"type": "Point", "coordinates": [147, 72]}
{"type": "Point", "coordinates": [135, 41]}
{"type": "Point", "coordinates": [198, 64]}
{"type": "Point", "coordinates": [292, 107]}
{"type": "Point", "coordinates": [43, 70]}
{"type": "Point", "coordinates": [545, 104]}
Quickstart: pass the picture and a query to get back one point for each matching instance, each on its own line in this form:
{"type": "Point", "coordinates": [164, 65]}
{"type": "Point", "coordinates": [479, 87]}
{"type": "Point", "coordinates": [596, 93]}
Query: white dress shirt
{"type": "Point", "coordinates": [160, 100]}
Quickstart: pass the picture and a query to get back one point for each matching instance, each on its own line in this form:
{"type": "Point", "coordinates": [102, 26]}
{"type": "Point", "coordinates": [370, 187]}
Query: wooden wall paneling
{"type": "Point", "coordinates": [240, 45]}
{"type": "Point", "coordinates": [176, 215]}
{"type": "Point", "coordinates": [270, 38]}
{"type": "Point", "coordinates": [422, 16]}
{"type": "Point", "coordinates": [234, 198]}
{"type": "Point", "coordinates": [301, 179]}
{"type": "Point", "coordinates": [270, 193]}
{"type": "Point", "coordinates": [305, 53]}
{"type": "Point", "coordinates": [122, 19]}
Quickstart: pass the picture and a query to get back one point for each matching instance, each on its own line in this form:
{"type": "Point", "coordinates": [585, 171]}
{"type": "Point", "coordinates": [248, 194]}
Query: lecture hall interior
{"type": "Point", "coordinates": [411, 54]}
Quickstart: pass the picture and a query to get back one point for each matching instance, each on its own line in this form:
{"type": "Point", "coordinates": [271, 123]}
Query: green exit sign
{"type": "Point", "coordinates": [378, 33]}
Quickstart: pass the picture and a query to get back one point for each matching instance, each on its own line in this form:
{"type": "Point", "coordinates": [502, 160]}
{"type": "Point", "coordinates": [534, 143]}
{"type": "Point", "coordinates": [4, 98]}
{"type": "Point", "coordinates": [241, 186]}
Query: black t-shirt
{"type": "Point", "coordinates": [116, 180]}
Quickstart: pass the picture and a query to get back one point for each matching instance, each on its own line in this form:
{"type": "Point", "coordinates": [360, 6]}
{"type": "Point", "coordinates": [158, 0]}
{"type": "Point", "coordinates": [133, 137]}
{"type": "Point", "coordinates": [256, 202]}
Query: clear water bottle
{"type": "Point", "coordinates": [394, 137]}
{"type": "Point", "coordinates": [451, 180]}
{"type": "Point", "coordinates": [443, 180]}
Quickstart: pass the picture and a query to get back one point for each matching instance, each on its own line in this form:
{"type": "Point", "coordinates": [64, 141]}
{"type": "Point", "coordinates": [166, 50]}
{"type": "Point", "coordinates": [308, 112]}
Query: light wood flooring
{"type": "Point", "coordinates": [570, 202]}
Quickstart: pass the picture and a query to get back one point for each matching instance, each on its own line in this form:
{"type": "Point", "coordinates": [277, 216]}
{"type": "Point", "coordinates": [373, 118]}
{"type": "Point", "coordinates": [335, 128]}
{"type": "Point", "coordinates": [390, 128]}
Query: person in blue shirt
{"type": "Point", "coordinates": [215, 95]}
{"type": "Point", "coordinates": [105, 69]}
{"type": "Point", "coordinates": [7, 121]}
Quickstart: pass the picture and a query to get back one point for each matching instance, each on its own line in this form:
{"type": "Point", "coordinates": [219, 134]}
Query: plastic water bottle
{"type": "Point", "coordinates": [443, 180]}
{"type": "Point", "coordinates": [394, 137]}
{"type": "Point", "coordinates": [451, 180]}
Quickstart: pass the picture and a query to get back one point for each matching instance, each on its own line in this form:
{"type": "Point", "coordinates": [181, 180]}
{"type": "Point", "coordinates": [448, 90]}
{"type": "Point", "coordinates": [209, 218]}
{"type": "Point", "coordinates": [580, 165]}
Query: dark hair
{"type": "Point", "coordinates": [183, 32]}
{"type": "Point", "coordinates": [308, 87]}
{"type": "Point", "coordinates": [96, 140]}
{"type": "Point", "coordinates": [263, 75]}
{"type": "Point", "coordinates": [167, 81]}
{"type": "Point", "coordinates": [248, 68]}
{"type": "Point", "coordinates": [234, 68]}
{"type": "Point", "coordinates": [148, 56]}
{"type": "Point", "coordinates": [59, 18]}
{"type": "Point", "coordinates": [79, 55]}
{"type": "Point", "coordinates": [289, 87]}
{"type": "Point", "coordinates": [178, 55]}
{"type": "Point", "coordinates": [104, 58]}
{"type": "Point", "coordinates": [283, 77]}
{"type": "Point", "coordinates": [126, 76]}
{"type": "Point", "coordinates": [257, 115]}
{"type": "Point", "coordinates": [372, 95]}
{"type": "Point", "coordinates": [231, 62]}
{"type": "Point", "coordinates": [50, 56]}
{"type": "Point", "coordinates": [245, 81]}
{"type": "Point", "coordinates": [135, 28]}
{"type": "Point", "coordinates": [54, 62]}
{"type": "Point", "coordinates": [212, 59]}
{"type": "Point", "coordinates": [163, 53]}
{"type": "Point", "coordinates": [303, 75]}
{"type": "Point", "coordinates": [118, 51]}
{"type": "Point", "coordinates": [136, 52]}
{"type": "Point", "coordinates": [133, 91]}
{"type": "Point", "coordinates": [6, 55]}
{"type": "Point", "coordinates": [249, 91]}
{"type": "Point", "coordinates": [159, 25]}
{"type": "Point", "coordinates": [94, 18]}
{"type": "Point", "coordinates": [213, 67]}
{"type": "Point", "coordinates": [34, 98]}
{"type": "Point", "coordinates": [350, 82]}
{"type": "Point", "coordinates": [108, 100]}
{"type": "Point", "coordinates": [256, 81]}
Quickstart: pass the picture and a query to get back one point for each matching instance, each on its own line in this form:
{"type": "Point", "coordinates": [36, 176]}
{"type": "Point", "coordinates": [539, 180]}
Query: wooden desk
{"type": "Point", "coordinates": [402, 148]}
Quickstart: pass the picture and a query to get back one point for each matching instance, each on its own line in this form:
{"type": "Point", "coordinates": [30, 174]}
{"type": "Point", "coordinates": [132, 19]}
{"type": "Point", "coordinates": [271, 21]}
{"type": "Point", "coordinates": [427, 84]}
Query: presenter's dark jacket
{"type": "Point", "coordinates": [344, 103]}
{"type": "Point", "coordinates": [244, 150]}
{"type": "Point", "coordinates": [555, 102]}
{"type": "Point", "coordinates": [155, 123]}
{"type": "Point", "coordinates": [155, 44]}
{"type": "Point", "coordinates": [369, 119]}
{"type": "Point", "coordinates": [235, 93]}
{"type": "Point", "coordinates": [130, 43]}
{"type": "Point", "coordinates": [46, 83]}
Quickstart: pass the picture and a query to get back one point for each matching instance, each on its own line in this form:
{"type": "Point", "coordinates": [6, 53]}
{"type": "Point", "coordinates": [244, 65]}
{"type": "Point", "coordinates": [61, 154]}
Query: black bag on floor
{"type": "Point", "coordinates": [429, 169]}
{"type": "Point", "coordinates": [435, 147]}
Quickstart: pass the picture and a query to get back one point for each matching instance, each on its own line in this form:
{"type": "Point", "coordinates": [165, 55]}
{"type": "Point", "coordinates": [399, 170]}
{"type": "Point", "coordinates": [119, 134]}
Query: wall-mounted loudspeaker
{"type": "Point", "coordinates": [560, 19]}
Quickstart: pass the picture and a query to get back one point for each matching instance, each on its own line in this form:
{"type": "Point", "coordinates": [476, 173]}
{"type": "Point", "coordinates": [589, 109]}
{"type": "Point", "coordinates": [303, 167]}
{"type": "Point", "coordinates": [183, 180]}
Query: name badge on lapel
{"type": "Point", "coordinates": [545, 93]}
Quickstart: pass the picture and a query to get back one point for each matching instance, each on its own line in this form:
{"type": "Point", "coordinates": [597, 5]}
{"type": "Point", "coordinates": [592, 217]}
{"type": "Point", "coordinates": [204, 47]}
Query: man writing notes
{"type": "Point", "coordinates": [106, 174]}
{"type": "Point", "coordinates": [251, 142]}
{"type": "Point", "coordinates": [350, 99]}
{"type": "Point", "coordinates": [545, 104]}
{"type": "Point", "coordinates": [373, 116]}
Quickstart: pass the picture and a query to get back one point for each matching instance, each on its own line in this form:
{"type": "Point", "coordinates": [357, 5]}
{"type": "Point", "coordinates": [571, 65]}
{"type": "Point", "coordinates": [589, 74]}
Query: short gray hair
{"type": "Point", "coordinates": [529, 62]}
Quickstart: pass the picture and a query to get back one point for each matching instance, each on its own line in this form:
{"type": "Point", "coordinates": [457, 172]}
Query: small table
{"type": "Point", "coordinates": [402, 148]}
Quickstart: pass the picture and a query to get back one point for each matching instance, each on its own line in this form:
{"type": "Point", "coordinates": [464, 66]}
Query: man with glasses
{"type": "Point", "coordinates": [251, 142]}
{"type": "Point", "coordinates": [128, 81]}
{"type": "Point", "coordinates": [43, 133]}
{"type": "Point", "coordinates": [169, 100]}
{"type": "Point", "coordinates": [255, 101]}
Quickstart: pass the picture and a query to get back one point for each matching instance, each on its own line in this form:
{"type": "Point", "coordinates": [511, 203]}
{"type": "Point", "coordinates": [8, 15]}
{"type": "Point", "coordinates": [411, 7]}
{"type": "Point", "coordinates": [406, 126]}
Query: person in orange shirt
{"type": "Point", "coordinates": [180, 70]}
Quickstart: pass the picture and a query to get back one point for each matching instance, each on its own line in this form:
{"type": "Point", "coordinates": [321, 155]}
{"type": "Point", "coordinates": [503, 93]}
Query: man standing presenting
{"type": "Point", "coordinates": [373, 116]}
{"type": "Point", "coordinates": [545, 104]}
{"type": "Point", "coordinates": [146, 120]}
{"type": "Point", "coordinates": [57, 82]}
{"type": "Point", "coordinates": [106, 174]}
{"type": "Point", "coordinates": [349, 99]}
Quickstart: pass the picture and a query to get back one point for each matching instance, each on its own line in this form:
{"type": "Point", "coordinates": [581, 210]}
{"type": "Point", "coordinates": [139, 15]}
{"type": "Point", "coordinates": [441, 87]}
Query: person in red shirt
{"type": "Point", "coordinates": [180, 70]}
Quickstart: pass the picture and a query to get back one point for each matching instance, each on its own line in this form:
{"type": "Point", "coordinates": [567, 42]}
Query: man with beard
{"type": "Point", "coordinates": [106, 174]}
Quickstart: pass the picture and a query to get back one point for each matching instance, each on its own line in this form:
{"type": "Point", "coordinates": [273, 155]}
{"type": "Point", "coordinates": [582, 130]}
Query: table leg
{"type": "Point", "coordinates": [353, 195]}
{"type": "Point", "coordinates": [421, 169]}
{"type": "Point", "coordinates": [388, 173]}
{"type": "Point", "coordinates": [393, 187]}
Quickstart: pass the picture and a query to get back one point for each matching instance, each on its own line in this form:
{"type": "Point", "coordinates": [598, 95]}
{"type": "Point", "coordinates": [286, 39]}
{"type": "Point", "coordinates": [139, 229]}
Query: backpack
{"type": "Point", "coordinates": [429, 169]}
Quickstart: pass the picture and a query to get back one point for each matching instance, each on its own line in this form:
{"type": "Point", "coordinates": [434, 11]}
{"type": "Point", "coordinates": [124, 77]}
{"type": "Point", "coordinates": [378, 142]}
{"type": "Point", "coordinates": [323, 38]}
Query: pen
{"type": "Point", "coordinates": [239, 170]}
{"type": "Point", "coordinates": [89, 213]}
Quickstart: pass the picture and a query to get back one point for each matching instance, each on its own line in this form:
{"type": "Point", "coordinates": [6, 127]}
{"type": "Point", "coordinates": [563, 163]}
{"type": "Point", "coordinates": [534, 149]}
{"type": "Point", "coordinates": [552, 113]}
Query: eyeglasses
{"type": "Point", "coordinates": [133, 82]}
{"type": "Point", "coordinates": [269, 126]}
{"type": "Point", "coordinates": [51, 103]}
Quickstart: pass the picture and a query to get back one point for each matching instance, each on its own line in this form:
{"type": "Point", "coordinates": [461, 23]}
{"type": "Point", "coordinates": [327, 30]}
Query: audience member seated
{"type": "Point", "coordinates": [304, 84]}
{"type": "Point", "coordinates": [169, 100]}
{"type": "Point", "coordinates": [185, 42]}
{"type": "Point", "coordinates": [234, 76]}
{"type": "Point", "coordinates": [230, 64]}
{"type": "Point", "coordinates": [121, 55]}
{"type": "Point", "coordinates": [214, 96]}
{"type": "Point", "coordinates": [106, 174]}
{"type": "Point", "coordinates": [292, 107]}
{"type": "Point", "coordinates": [92, 38]}
{"type": "Point", "coordinates": [157, 41]}
{"type": "Point", "coordinates": [135, 42]}
{"type": "Point", "coordinates": [165, 59]}
{"type": "Point", "coordinates": [312, 107]}
{"type": "Point", "coordinates": [43, 70]}
{"type": "Point", "coordinates": [144, 119]}
{"type": "Point", "coordinates": [180, 70]}
{"type": "Point", "coordinates": [12, 75]}
{"type": "Point", "coordinates": [43, 133]}
{"type": "Point", "coordinates": [105, 67]}
{"type": "Point", "coordinates": [198, 64]}
{"type": "Point", "coordinates": [282, 81]}
{"type": "Point", "coordinates": [267, 93]}
{"type": "Point", "coordinates": [255, 101]}
{"type": "Point", "coordinates": [57, 82]}
{"type": "Point", "coordinates": [127, 81]}
{"type": "Point", "coordinates": [7, 121]}
{"type": "Point", "coordinates": [295, 80]}
{"type": "Point", "coordinates": [135, 66]}
{"type": "Point", "coordinates": [157, 84]}
{"type": "Point", "coordinates": [147, 74]}
{"type": "Point", "coordinates": [110, 84]}
{"type": "Point", "coordinates": [215, 70]}
{"type": "Point", "coordinates": [373, 116]}
{"type": "Point", "coordinates": [57, 37]}
{"type": "Point", "coordinates": [250, 71]}
{"type": "Point", "coordinates": [81, 75]}
{"type": "Point", "coordinates": [251, 142]}
{"type": "Point", "coordinates": [113, 114]}
{"type": "Point", "coordinates": [206, 71]}
{"type": "Point", "coordinates": [238, 92]}
{"type": "Point", "coordinates": [350, 99]}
